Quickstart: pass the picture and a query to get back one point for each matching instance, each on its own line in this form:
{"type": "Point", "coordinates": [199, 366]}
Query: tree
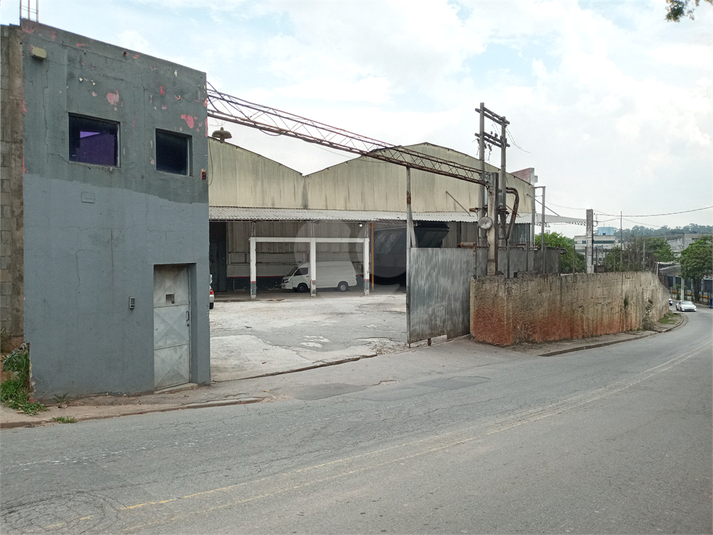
{"type": "Point", "coordinates": [638, 254]}
{"type": "Point", "coordinates": [569, 258]}
{"type": "Point", "coordinates": [678, 9]}
{"type": "Point", "coordinates": [613, 261]}
{"type": "Point", "coordinates": [660, 250]}
{"type": "Point", "coordinates": [697, 262]}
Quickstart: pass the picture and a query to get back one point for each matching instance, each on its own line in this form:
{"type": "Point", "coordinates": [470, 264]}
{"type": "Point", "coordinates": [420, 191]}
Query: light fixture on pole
{"type": "Point", "coordinates": [221, 135]}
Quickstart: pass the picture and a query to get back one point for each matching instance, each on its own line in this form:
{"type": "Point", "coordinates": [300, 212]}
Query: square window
{"type": "Point", "coordinates": [93, 141]}
{"type": "Point", "coordinates": [172, 152]}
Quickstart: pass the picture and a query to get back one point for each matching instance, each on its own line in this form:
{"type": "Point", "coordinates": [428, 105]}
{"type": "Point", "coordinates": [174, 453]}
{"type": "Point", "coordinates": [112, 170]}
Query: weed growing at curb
{"type": "Point", "coordinates": [15, 390]}
{"type": "Point", "coordinates": [65, 419]}
{"type": "Point", "coordinates": [669, 318]}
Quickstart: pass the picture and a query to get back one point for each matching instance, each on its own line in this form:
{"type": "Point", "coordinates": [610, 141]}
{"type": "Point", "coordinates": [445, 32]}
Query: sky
{"type": "Point", "coordinates": [610, 103]}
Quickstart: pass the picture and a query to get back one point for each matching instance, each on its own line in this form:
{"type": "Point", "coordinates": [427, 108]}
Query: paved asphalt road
{"type": "Point", "coordinates": [609, 440]}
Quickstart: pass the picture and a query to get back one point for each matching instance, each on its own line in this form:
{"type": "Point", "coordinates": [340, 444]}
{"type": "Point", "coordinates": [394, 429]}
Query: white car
{"type": "Point", "coordinates": [685, 306]}
{"type": "Point", "coordinates": [211, 299]}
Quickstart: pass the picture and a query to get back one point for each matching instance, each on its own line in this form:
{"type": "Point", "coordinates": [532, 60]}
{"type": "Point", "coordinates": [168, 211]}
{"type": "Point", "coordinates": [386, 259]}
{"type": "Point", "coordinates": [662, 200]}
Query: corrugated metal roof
{"type": "Point", "coordinates": [550, 219]}
{"type": "Point", "coordinates": [230, 213]}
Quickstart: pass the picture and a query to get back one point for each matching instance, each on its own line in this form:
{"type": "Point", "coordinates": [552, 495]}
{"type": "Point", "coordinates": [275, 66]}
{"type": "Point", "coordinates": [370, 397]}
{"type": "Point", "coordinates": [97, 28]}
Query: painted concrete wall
{"type": "Point", "coordinates": [12, 292]}
{"type": "Point", "coordinates": [537, 309]}
{"type": "Point", "coordinates": [245, 179]}
{"type": "Point", "coordinates": [94, 233]}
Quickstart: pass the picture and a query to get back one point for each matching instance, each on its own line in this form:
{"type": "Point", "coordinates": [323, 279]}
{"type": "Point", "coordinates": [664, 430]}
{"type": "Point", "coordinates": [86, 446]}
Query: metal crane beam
{"type": "Point", "coordinates": [273, 121]}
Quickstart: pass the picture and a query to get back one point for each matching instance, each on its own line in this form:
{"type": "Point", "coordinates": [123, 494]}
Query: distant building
{"type": "Point", "coordinates": [604, 241]}
{"type": "Point", "coordinates": [679, 242]}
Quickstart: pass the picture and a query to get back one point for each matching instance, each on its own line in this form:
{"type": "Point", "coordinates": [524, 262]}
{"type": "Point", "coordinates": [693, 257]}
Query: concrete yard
{"type": "Point", "coordinates": [288, 331]}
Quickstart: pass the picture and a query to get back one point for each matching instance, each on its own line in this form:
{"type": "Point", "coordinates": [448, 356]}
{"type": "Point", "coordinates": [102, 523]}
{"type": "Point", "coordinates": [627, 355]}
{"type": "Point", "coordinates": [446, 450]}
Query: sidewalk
{"type": "Point", "coordinates": [269, 387]}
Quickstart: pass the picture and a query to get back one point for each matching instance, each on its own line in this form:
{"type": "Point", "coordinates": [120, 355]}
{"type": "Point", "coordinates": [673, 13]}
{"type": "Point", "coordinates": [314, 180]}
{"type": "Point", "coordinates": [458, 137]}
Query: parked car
{"type": "Point", "coordinates": [337, 274]}
{"type": "Point", "coordinates": [685, 306]}
{"type": "Point", "coordinates": [670, 301]}
{"type": "Point", "coordinates": [211, 299]}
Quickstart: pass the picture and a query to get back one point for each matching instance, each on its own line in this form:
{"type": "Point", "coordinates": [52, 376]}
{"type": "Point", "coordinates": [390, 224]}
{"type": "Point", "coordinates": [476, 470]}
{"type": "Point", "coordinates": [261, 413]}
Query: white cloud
{"type": "Point", "coordinates": [611, 102]}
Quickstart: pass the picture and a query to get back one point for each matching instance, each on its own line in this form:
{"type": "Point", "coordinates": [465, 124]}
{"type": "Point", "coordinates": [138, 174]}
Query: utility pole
{"type": "Point", "coordinates": [589, 251]}
{"type": "Point", "coordinates": [542, 235]}
{"type": "Point", "coordinates": [621, 241]}
{"type": "Point", "coordinates": [497, 210]}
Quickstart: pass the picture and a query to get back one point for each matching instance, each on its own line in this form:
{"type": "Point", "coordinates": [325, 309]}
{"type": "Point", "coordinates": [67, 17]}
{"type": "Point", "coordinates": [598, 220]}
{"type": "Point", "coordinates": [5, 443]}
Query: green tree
{"type": "Point", "coordinates": [639, 254]}
{"type": "Point", "coordinates": [697, 262]}
{"type": "Point", "coordinates": [678, 9]}
{"type": "Point", "coordinates": [570, 261]}
{"type": "Point", "coordinates": [613, 260]}
{"type": "Point", "coordinates": [660, 250]}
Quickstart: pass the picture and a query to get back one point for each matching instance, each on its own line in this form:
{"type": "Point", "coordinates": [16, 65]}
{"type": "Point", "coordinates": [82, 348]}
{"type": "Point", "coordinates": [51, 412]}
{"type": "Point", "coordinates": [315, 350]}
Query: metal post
{"type": "Point", "coordinates": [409, 230]}
{"type": "Point", "coordinates": [621, 242]}
{"type": "Point", "coordinates": [372, 256]}
{"type": "Point", "coordinates": [542, 235]}
{"type": "Point", "coordinates": [253, 267]}
{"type": "Point", "coordinates": [531, 234]}
{"type": "Point", "coordinates": [313, 267]}
{"type": "Point", "coordinates": [366, 266]}
{"type": "Point", "coordinates": [589, 251]}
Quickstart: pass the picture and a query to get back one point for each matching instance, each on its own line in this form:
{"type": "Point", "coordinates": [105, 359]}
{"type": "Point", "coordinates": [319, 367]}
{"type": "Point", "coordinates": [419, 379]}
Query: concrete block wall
{"type": "Point", "coordinates": [545, 308]}
{"type": "Point", "coordinates": [11, 201]}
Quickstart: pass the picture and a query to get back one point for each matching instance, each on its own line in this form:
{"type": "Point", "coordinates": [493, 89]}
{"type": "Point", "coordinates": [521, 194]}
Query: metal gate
{"type": "Point", "coordinates": [438, 296]}
{"type": "Point", "coordinates": [171, 326]}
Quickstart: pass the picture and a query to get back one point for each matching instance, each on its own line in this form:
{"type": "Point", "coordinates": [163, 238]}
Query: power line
{"type": "Point", "coordinates": [513, 142]}
{"type": "Point", "coordinates": [658, 215]}
{"type": "Point", "coordinates": [632, 215]}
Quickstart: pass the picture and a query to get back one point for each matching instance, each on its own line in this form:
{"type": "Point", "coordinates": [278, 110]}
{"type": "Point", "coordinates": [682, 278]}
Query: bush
{"type": "Point", "coordinates": [15, 390]}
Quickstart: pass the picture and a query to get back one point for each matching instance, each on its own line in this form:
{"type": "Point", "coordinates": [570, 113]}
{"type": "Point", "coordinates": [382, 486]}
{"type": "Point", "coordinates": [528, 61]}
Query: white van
{"type": "Point", "coordinates": [339, 275]}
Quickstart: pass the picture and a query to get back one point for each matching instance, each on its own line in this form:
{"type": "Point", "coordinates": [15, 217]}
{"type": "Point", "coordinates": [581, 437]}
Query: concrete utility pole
{"type": "Point", "coordinates": [542, 235]}
{"type": "Point", "coordinates": [589, 250]}
{"type": "Point", "coordinates": [497, 210]}
{"type": "Point", "coordinates": [482, 235]}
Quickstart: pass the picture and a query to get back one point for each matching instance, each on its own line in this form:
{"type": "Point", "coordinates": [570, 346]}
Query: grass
{"type": "Point", "coordinates": [65, 419]}
{"type": "Point", "coordinates": [669, 318]}
{"type": "Point", "coordinates": [15, 390]}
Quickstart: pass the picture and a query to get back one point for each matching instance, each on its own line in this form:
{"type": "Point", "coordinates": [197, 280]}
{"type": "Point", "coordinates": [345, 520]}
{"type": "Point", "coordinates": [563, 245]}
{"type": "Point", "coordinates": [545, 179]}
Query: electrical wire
{"type": "Point", "coordinates": [658, 215]}
{"type": "Point", "coordinates": [633, 215]}
{"type": "Point", "coordinates": [514, 143]}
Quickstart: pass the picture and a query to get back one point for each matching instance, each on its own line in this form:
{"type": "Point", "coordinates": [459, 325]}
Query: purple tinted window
{"type": "Point", "coordinates": [93, 141]}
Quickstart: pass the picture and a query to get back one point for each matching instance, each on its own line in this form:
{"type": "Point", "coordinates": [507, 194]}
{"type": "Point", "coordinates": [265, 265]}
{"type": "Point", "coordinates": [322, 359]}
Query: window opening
{"type": "Point", "coordinates": [172, 152]}
{"type": "Point", "coordinates": [93, 141]}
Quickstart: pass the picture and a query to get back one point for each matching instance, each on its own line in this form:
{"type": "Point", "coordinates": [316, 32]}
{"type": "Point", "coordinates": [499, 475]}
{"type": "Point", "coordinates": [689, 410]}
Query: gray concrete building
{"type": "Point", "coordinates": [603, 243]}
{"type": "Point", "coordinates": [104, 214]}
{"type": "Point", "coordinates": [679, 242]}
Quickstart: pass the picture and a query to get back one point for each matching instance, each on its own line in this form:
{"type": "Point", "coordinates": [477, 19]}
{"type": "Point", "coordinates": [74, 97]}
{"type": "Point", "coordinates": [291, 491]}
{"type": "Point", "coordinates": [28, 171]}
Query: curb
{"type": "Point", "coordinates": [592, 346]}
{"type": "Point", "coordinates": [144, 410]}
{"type": "Point", "coordinates": [683, 321]}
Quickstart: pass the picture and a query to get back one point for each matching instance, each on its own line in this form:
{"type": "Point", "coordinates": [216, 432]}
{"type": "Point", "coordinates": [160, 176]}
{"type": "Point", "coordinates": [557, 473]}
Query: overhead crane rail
{"type": "Point", "coordinates": [232, 109]}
